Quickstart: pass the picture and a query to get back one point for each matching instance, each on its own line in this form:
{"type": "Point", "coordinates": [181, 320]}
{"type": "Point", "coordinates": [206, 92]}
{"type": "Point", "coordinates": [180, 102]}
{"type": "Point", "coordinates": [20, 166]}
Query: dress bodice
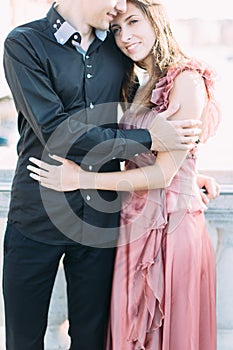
{"type": "Point", "coordinates": [183, 193]}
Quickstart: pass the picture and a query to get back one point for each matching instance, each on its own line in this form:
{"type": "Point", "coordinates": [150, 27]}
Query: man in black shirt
{"type": "Point", "coordinates": [66, 78]}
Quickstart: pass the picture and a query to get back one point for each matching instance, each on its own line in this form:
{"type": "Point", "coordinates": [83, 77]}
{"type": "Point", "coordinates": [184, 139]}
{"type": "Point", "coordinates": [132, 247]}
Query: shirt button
{"type": "Point", "coordinates": [91, 105]}
{"type": "Point", "coordinates": [88, 197]}
{"type": "Point", "coordinates": [87, 57]}
{"type": "Point", "coordinates": [90, 167]}
{"type": "Point", "coordinates": [89, 76]}
{"type": "Point", "coordinates": [89, 66]}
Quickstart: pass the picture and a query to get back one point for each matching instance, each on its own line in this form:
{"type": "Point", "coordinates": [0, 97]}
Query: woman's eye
{"type": "Point", "coordinates": [115, 30]}
{"type": "Point", "coordinates": [133, 21]}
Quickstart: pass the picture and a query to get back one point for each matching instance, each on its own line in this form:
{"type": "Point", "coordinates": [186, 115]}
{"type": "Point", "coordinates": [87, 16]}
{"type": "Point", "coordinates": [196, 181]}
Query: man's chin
{"type": "Point", "coordinates": [105, 27]}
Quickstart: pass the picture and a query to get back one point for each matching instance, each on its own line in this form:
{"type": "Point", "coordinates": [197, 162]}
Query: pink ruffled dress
{"type": "Point", "coordinates": [163, 294]}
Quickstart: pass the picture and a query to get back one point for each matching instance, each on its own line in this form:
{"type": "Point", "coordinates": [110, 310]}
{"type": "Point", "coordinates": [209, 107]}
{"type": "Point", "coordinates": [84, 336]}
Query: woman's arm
{"type": "Point", "coordinates": [189, 92]}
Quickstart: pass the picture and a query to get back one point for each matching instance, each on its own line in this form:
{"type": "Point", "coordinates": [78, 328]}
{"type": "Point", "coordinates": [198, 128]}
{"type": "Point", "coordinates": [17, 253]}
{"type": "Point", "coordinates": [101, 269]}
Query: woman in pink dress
{"type": "Point", "coordinates": [163, 294]}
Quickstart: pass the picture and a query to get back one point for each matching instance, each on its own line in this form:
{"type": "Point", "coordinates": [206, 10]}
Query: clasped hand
{"type": "Point", "coordinates": [62, 178]}
{"type": "Point", "coordinates": [170, 135]}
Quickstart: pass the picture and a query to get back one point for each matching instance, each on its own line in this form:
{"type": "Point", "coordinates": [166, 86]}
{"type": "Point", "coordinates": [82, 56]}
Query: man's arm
{"type": "Point", "coordinates": [57, 130]}
{"type": "Point", "coordinates": [173, 134]}
{"type": "Point", "coordinates": [209, 188]}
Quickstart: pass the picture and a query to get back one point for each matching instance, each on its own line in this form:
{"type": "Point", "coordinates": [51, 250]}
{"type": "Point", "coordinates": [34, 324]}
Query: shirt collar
{"type": "Point", "coordinates": [63, 31]}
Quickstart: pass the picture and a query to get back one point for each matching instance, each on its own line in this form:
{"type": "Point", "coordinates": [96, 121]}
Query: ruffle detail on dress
{"type": "Point", "coordinates": [160, 95]}
{"type": "Point", "coordinates": [148, 293]}
{"type": "Point", "coordinates": [144, 218]}
{"type": "Point", "coordinates": [141, 121]}
{"type": "Point", "coordinates": [142, 211]}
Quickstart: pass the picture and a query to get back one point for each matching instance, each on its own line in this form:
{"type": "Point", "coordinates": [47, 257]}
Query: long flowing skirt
{"type": "Point", "coordinates": [163, 294]}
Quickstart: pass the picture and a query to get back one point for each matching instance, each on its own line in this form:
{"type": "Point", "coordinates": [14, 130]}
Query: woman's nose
{"type": "Point", "coordinates": [126, 35]}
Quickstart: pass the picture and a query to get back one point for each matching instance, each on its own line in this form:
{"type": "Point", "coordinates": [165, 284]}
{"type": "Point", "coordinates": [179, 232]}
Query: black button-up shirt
{"type": "Point", "coordinates": [67, 102]}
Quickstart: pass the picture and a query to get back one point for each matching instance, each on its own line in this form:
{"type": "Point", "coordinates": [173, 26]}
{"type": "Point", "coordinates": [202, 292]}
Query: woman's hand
{"type": "Point", "coordinates": [63, 178]}
{"type": "Point", "coordinates": [210, 186]}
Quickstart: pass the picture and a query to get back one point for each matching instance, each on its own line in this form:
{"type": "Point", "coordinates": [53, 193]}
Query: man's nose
{"type": "Point", "coordinates": [121, 6]}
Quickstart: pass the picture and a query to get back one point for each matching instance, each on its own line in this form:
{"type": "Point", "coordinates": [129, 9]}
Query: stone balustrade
{"type": "Point", "coordinates": [219, 217]}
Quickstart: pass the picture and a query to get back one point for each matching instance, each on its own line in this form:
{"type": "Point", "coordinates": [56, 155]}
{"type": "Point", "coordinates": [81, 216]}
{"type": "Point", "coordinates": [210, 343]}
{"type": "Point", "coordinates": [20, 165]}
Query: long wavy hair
{"type": "Point", "coordinates": [165, 52]}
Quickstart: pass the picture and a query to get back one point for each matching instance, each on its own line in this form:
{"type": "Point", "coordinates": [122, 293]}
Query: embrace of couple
{"type": "Point", "coordinates": [138, 260]}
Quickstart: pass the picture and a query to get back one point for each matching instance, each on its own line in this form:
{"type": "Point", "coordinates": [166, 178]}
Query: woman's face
{"type": "Point", "coordinates": [133, 33]}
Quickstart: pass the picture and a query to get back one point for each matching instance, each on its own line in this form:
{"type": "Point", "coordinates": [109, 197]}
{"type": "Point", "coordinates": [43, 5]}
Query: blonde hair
{"type": "Point", "coordinates": [166, 51]}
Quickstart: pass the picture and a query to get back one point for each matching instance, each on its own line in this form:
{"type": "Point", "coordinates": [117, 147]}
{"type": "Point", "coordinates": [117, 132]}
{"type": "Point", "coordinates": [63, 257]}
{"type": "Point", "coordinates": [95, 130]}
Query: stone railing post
{"type": "Point", "coordinates": [219, 218]}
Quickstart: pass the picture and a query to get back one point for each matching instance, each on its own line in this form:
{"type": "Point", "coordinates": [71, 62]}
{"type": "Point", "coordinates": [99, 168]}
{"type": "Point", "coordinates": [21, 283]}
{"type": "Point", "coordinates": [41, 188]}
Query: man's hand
{"type": "Point", "coordinates": [174, 134]}
{"type": "Point", "coordinates": [210, 186]}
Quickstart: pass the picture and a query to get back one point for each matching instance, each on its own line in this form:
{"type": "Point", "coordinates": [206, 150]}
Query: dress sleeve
{"type": "Point", "coordinates": [160, 95]}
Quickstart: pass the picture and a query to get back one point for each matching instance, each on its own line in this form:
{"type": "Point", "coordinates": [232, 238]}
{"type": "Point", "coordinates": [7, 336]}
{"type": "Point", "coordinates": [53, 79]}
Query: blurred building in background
{"type": "Point", "coordinates": [203, 31]}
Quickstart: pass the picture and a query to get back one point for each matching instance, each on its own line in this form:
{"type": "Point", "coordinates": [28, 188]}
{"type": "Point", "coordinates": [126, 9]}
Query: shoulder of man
{"type": "Point", "coordinates": [28, 29]}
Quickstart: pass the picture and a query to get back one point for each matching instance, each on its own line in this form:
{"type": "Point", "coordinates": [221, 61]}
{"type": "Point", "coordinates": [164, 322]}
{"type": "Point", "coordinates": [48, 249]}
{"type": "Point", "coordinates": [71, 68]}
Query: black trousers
{"type": "Point", "coordinates": [29, 272]}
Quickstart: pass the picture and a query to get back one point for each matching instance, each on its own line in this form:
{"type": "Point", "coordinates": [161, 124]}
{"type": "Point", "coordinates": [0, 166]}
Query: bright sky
{"type": "Point", "coordinates": [208, 9]}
